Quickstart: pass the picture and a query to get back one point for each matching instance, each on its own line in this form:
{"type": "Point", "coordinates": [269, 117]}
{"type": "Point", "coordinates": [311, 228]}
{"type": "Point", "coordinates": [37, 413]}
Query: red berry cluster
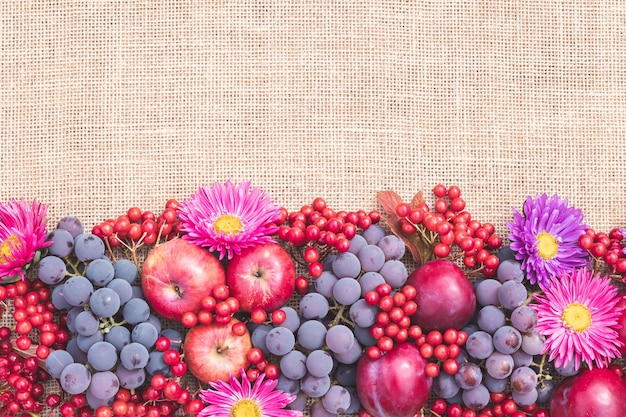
{"type": "Point", "coordinates": [163, 397]}
{"type": "Point", "coordinates": [393, 325]}
{"type": "Point", "coordinates": [21, 379]}
{"type": "Point", "coordinates": [502, 406]}
{"type": "Point", "coordinates": [450, 224]}
{"type": "Point", "coordinates": [171, 356]}
{"type": "Point", "coordinates": [75, 405]}
{"type": "Point", "coordinates": [34, 317]}
{"type": "Point", "coordinates": [393, 321]}
{"type": "Point", "coordinates": [22, 387]}
{"type": "Point", "coordinates": [317, 228]}
{"type": "Point", "coordinates": [218, 307]}
{"type": "Point", "coordinates": [138, 227]}
{"type": "Point", "coordinates": [260, 364]}
{"type": "Point", "coordinates": [441, 349]}
{"type": "Point", "coordinates": [606, 247]}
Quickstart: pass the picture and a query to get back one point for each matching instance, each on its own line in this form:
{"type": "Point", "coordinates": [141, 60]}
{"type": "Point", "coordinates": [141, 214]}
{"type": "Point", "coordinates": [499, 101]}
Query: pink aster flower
{"type": "Point", "coordinates": [545, 238]}
{"type": "Point", "coordinates": [22, 233]}
{"type": "Point", "coordinates": [242, 399]}
{"type": "Point", "coordinates": [228, 218]}
{"type": "Point", "coordinates": [578, 316]}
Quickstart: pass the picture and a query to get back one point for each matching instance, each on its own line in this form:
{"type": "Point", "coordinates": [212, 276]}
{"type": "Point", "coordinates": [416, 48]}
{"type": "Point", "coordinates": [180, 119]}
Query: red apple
{"type": "Point", "coordinates": [621, 333]}
{"type": "Point", "coordinates": [176, 275]}
{"type": "Point", "coordinates": [261, 276]}
{"type": "Point", "coordinates": [445, 297]}
{"type": "Point", "coordinates": [213, 351]}
{"type": "Point", "coordinates": [591, 393]}
{"type": "Point", "coordinates": [394, 385]}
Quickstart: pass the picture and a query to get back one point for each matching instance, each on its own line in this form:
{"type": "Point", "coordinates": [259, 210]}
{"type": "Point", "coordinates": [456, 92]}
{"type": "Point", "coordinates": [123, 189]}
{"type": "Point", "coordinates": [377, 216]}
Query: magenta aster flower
{"type": "Point", "coordinates": [578, 316]}
{"type": "Point", "coordinates": [228, 218]}
{"type": "Point", "coordinates": [545, 238]}
{"type": "Point", "coordinates": [22, 233]}
{"type": "Point", "coordinates": [242, 399]}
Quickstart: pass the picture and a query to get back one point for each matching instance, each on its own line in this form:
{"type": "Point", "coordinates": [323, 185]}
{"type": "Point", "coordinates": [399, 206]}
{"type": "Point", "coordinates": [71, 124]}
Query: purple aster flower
{"type": "Point", "coordinates": [545, 238]}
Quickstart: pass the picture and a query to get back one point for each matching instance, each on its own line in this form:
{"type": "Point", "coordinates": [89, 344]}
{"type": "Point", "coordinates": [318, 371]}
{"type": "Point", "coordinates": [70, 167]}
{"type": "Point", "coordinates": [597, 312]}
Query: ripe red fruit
{"type": "Point", "coordinates": [172, 390]}
{"type": "Point", "coordinates": [189, 319]}
{"type": "Point", "coordinates": [261, 276]}
{"type": "Point", "coordinates": [432, 369]}
{"type": "Point", "coordinates": [445, 297]}
{"type": "Point", "coordinates": [278, 317]}
{"type": "Point", "coordinates": [316, 268]}
{"type": "Point", "coordinates": [440, 190]}
{"type": "Point", "coordinates": [403, 209]}
{"type": "Point", "coordinates": [385, 343]}
{"type": "Point", "coordinates": [214, 352]}
{"type": "Point", "coordinates": [434, 337]}
{"type": "Point", "coordinates": [311, 255]}
{"type": "Point", "coordinates": [177, 275]}
{"type": "Point", "coordinates": [255, 355]}
{"type": "Point", "coordinates": [171, 356]}
{"type": "Point", "coordinates": [272, 371]}
{"type": "Point", "coordinates": [302, 285]}
{"type": "Point", "coordinates": [239, 328]}
{"type": "Point", "coordinates": [372, 298]}
{"type": "Point", "coordinates": [591, 393]}
{"type": "Point", "coordinates": [258, 315]}
{"type": "Point", "coordinates": [387, 389]}
{"type": "Point", "coordinates": [179, 369]}
{"type": "Point", "coordinates": [441, 352]}
{"type": "Point", "coordinates": [450, 366]}
{"type": "Point", "coordinates": [454, 192]}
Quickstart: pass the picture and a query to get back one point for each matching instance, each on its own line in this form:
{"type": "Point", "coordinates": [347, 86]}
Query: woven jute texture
{"type": "Point", "coordinates": [109, 104]}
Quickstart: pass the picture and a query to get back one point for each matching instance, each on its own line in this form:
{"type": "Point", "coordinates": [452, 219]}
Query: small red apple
{"type": "Point", "coordinates": [213, 351]}
{"type": "Point", "coordinates": [445, 297]}
{"type": "Point", "coordinates": [176, 275]}
{"type": "Point", "coordinates": [261, 276]}
{"type": "Point", "coordinates": [394, 385]}
{"type": "Point", "coordinates": [591, 393]}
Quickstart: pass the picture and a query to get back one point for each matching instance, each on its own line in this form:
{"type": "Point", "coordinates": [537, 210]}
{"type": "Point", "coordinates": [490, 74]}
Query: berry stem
{"type": "Point", "coordinates": [106, 242]}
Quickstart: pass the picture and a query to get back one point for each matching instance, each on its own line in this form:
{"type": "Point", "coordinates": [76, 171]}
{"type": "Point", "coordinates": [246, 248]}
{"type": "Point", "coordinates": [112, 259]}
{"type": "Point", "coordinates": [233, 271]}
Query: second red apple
{"type": "Point", "coordinates": [261, 276]}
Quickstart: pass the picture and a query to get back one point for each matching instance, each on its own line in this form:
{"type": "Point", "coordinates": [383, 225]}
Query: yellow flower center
{"type": "Point", "coordinates": [227, 223]}
{"type": "Point", "coordinates": [6, 249]}
{"type": "Point", "coordinates": [577, 317]}
{"type": "Point", "coordinates": [547, 245]}
{"type": "Point", "coordinates": [246, 408]}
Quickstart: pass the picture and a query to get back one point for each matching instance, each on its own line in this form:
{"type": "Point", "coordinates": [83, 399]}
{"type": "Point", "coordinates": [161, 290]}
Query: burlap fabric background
{"type": "Point", "coordinates": [110, 104]}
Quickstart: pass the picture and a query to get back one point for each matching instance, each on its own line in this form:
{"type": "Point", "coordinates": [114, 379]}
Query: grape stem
{"type": "Point", "coordinates": [338, 316]}
{"type": "Point", "coordinates": [73, 263]}
{"type": "Point", "coordinates": [107, 323]}
{"type": "Point", "coordinates": [541, 375]}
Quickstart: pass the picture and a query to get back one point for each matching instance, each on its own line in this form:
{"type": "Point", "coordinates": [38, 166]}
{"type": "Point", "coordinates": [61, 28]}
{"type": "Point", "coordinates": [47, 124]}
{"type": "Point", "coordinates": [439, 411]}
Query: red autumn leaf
{"type": "Point", "coordinates": [389, 200]}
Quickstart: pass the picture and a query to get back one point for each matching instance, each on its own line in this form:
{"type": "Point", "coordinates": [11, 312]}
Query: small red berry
{"type": "Point", "coordinates": [440, 191]}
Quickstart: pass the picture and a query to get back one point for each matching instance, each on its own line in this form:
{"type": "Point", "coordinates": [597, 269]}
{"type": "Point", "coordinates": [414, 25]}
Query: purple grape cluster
{"type": "Point", "coordinates": [112, 330]}
{"type": "Point", "coordinates": [503, 351]}
{"type": "Point", "coordinates": [322, 338]}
